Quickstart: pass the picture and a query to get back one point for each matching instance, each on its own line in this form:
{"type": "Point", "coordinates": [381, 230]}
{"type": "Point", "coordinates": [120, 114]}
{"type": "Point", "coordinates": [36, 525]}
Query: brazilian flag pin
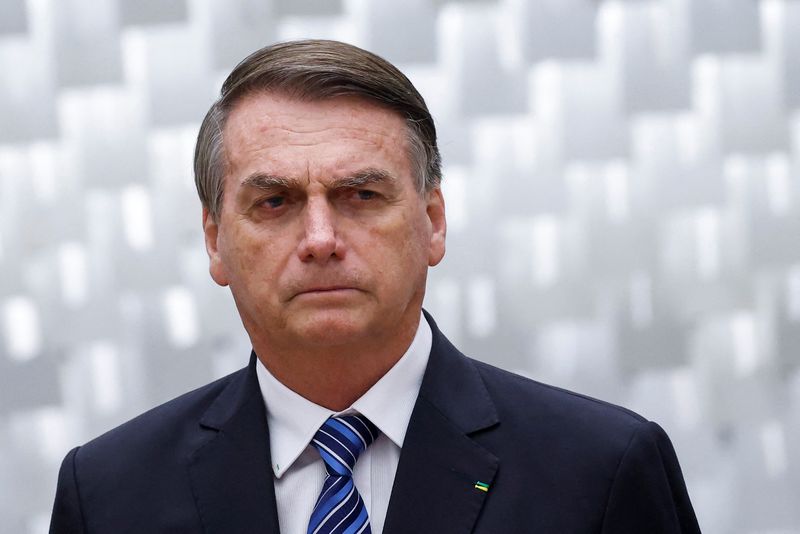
{"type": "Point", "coordinates": [483, 486]}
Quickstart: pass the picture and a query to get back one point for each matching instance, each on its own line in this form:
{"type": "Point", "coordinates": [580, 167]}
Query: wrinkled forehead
{"type": "Point", "coordinates": [288, 135]}
{"type": "Point", "coordinates": [262, 110]}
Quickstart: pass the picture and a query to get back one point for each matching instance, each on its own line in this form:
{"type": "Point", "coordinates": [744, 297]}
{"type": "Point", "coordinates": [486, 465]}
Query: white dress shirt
{"type": "Point", "coordinates": [293, 420]}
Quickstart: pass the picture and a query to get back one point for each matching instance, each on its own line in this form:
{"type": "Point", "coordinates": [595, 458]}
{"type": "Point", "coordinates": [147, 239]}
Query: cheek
{"type": "Point", "coordinates": [246, 256]}
{"type": "Point", "coordinates": [399, 248]}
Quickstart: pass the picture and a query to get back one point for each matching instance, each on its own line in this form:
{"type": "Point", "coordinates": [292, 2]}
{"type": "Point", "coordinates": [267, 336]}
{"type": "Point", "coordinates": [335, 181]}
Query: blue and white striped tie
{"type": "Point", "coordinates": [340, 509]}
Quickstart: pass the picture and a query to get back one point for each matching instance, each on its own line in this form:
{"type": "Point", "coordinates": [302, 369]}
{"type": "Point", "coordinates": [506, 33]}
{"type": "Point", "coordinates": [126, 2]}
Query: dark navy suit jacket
{"type": "Point", "coordinates": [555, 462]}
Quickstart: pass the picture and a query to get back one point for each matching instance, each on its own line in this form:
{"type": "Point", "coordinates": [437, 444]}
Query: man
{"type": "Point", "coordinates": [319, 175]}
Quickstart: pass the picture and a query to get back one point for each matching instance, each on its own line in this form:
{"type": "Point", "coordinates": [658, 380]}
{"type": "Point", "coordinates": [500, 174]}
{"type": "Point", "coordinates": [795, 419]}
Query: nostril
{"type": "Point", "coordinates": [319, 244]}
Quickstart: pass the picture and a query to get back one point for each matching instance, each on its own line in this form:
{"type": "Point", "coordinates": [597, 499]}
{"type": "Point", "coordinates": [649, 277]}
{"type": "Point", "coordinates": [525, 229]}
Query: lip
{"type": "Point", "coordinates": [325, 290]}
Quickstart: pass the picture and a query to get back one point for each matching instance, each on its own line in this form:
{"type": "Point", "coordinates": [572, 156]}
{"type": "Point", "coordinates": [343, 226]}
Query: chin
{"type": "Point", "coordinates": [332, 327]}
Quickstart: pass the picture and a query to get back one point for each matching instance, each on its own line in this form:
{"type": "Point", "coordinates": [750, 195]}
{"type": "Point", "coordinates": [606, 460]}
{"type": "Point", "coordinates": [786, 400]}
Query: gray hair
{"type": "Point", "coordinates": [316, 70]}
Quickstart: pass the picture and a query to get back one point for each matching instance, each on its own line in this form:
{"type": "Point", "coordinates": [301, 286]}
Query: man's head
{"type": "Point", "coordinates": [315, 70]}
{"type": "Point", "coordinates": [319, 175]}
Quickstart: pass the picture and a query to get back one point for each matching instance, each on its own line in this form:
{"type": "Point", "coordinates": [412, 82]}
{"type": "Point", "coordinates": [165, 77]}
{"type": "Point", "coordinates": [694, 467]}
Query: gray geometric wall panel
{"type": "Point", "coordinates": [623, 191]}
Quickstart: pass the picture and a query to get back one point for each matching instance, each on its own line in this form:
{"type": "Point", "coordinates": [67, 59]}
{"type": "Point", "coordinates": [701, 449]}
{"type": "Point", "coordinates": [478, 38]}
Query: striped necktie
{"type": "Point", "coordinates": [339, 508]}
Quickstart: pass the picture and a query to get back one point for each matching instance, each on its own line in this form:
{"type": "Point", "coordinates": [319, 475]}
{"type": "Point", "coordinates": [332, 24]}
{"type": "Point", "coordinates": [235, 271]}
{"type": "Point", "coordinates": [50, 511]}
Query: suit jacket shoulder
{"type": "Point", "coordinates": [543, 412]}
{"type": "Point", "coordinates": [509, 454]}
{"type": "Point", "coordinates": [162, 428]}
{"type": "Point", "coordinates": [149, 474]}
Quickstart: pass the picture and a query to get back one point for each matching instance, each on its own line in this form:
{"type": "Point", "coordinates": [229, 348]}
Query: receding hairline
{"type": "Point", "coordinates": [278, 93]}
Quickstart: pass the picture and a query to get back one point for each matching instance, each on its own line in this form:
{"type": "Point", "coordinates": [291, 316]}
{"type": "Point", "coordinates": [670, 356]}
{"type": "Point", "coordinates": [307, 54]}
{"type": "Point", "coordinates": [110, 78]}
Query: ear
{"type": "Point", "coordinates": [435, 210]}
{"type": "Point", "coordinates": [216, 265]}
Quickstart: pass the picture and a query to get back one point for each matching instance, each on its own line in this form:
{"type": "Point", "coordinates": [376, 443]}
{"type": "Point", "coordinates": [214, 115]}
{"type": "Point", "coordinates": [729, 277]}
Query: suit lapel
{"type": "Point", "coordinates": [230, 473]}
{"type": "Point", "coordinates": [440, 464]}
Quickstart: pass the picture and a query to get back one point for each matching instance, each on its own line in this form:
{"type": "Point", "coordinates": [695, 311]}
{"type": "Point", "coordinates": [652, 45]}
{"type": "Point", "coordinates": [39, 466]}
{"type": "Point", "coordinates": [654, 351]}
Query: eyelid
{"type": "Point", "coordinates": [267, 197]}
{"type": "Point", "coordinates": [359, 189]}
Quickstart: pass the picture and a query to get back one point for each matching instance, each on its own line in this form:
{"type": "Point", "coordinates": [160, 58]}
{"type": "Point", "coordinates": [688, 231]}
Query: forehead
{"type": "Point", "coordinates": [268, 127]}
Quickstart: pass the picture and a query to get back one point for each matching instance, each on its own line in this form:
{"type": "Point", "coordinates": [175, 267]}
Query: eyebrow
{"type": "Point", "coordinates": [267, 182]}
{"type": "Point", "coordinates": [270, 182]}
{"type": "Point", "coordinates": [365, 177]}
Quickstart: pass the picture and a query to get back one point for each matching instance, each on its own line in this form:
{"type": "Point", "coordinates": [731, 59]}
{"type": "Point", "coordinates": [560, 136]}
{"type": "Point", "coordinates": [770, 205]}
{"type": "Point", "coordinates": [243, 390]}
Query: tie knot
{"type": "Point", "coordinates": [340, 441]}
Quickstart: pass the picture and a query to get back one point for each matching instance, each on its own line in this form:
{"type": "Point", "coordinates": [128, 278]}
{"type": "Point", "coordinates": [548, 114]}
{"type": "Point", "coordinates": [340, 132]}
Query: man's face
{"type": "Point", "coordinates": [323, 236]}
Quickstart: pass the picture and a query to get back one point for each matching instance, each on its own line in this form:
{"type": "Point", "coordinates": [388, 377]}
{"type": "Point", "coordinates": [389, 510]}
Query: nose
{"type": "Point", "coordinates": [320, 241]}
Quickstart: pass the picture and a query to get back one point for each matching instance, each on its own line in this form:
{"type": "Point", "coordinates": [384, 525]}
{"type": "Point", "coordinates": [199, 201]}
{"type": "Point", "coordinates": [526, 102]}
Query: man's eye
{"type": "Point", "coordinates": [274, 202]}
{"type": "Point", "coordinates": [364, 194]}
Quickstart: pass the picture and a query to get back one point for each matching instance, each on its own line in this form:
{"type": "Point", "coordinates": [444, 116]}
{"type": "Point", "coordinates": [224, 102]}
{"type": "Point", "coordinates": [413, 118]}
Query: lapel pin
{"type": "Point", "coordinates": [482, 486]}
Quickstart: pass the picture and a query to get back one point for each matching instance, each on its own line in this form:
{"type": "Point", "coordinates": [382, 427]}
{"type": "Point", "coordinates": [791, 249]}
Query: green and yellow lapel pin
{"type": "Point", "coordinates": [483, 486]}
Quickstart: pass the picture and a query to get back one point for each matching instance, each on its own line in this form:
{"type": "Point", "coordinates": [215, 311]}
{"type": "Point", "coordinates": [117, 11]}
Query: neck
{"type": "Point", "coordinates": [335, 377]}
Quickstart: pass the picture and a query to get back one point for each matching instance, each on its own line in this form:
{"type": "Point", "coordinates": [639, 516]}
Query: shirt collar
{"type": "Point", "coordinates": [293, 420]}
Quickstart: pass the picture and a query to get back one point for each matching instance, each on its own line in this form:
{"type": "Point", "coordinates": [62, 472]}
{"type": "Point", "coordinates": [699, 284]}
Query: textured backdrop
{"type": "Point", "coordinates": [623, 189]}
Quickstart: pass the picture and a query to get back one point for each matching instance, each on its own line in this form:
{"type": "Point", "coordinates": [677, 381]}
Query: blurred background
{"type": "Point", "coordinates": [622, 182]}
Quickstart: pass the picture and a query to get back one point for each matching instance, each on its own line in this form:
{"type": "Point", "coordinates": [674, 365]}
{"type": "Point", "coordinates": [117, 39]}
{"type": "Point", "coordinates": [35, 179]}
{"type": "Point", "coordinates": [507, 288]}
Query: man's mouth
{"type": "Point", "coordinates": [323, 290]}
